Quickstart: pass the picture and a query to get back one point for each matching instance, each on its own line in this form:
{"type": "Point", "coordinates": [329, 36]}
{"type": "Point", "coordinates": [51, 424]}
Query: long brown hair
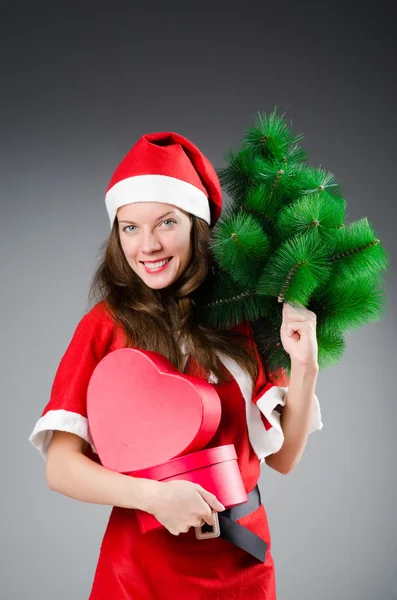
{"type": "Point", "coordinates": [154, 319]}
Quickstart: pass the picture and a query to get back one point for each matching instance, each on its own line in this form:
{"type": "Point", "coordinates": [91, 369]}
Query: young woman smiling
{"type": "Point", "coordinates": [162, 200]}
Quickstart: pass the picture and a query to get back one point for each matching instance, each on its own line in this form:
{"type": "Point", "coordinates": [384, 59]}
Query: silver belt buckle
{"type": "Point", "coordinates": [214, 532]}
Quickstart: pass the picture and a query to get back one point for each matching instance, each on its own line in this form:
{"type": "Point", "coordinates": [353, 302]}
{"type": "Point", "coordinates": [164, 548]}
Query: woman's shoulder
{"type": "Point", "coordinates": [100, 313]}
{"type": "Point", "coordinates": [95, 334]}
{"type": "Point", "coordinates": [96, 323]}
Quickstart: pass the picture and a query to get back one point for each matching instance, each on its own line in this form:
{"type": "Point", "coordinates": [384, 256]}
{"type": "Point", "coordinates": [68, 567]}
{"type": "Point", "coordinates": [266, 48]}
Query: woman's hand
{"type": "Point", "coordinates": [179, 505]}
{"type": "Point", "coordinates": [298, 334]}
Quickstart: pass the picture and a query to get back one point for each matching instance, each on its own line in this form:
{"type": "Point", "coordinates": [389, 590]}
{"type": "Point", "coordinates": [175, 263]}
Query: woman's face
{"type": "Point", "coordinates": [151, 233]}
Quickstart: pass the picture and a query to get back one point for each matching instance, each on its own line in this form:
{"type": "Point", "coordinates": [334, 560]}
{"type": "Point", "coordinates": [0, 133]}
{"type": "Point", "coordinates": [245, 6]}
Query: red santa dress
{"type": "Point", "coordinates": [159, 565]}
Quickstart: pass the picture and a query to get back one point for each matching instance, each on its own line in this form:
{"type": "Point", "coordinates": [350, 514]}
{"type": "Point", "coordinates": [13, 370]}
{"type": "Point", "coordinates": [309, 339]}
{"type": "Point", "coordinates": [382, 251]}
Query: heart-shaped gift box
{"type": "Point", "coordinates": [142, 411]}
{"type": "Point", "coordinates": [215, 469]}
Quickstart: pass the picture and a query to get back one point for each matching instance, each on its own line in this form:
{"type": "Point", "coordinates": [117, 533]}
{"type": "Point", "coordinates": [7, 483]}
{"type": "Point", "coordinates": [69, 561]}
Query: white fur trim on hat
{"type": "Point", "coordinates": [158, 188]}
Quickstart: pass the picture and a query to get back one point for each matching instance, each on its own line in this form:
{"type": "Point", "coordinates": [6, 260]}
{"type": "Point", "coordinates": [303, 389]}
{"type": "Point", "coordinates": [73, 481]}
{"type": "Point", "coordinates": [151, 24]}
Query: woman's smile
{"type": "Point", "coordinates": [156, 267]}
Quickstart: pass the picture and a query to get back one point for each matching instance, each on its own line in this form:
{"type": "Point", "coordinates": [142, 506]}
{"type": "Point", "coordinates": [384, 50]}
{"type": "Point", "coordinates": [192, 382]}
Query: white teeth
{"type": "Point", "coordinates": [156, 265]}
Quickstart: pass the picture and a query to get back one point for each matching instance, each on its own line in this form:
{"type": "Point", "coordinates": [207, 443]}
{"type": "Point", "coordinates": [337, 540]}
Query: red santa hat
{"type": "Point", "coordinates": [166, 167]}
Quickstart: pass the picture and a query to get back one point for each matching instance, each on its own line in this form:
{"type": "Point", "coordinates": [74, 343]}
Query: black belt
{"type": "Point", "coordinates": [238, 534]}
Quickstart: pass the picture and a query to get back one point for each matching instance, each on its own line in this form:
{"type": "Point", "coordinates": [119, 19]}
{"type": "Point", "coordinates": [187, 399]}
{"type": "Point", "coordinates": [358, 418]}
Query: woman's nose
{"type": "Point", "coordinates": [149, 243]}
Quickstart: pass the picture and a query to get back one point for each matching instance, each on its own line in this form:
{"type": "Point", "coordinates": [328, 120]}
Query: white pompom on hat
{"type": "Point", "coordinates": [166, 167]}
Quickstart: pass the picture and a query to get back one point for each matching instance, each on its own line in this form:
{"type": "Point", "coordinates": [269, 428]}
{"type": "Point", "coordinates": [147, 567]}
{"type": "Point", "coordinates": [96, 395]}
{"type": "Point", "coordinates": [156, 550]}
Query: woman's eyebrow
{"type": "Point", "coordinates": [170, 212]}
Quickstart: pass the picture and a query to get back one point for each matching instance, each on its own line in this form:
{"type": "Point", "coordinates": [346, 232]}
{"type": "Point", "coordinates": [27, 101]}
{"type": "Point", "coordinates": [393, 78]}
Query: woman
{"type": "Point", "coordinates": [162, 201]}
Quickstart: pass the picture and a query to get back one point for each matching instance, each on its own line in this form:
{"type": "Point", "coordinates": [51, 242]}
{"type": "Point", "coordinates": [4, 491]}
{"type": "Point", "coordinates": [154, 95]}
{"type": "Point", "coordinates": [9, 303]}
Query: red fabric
{"type": "Point", "coordinates": [158, 565]}
{"type": "Point", "coordinates": [91, 341]}
{"type": "Point", "coordinates": [93, 338]}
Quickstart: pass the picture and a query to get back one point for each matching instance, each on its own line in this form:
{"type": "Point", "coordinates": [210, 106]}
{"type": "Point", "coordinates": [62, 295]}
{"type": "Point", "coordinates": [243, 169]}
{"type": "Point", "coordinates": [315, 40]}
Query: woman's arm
{"type": "Point", "coordinates": [71, 473]}
{"type": "Point", "coordinates": [296, 418]}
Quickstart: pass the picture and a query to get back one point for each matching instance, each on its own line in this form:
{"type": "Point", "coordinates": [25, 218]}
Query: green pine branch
{"type": "Point", "coordinates": [284, 237]}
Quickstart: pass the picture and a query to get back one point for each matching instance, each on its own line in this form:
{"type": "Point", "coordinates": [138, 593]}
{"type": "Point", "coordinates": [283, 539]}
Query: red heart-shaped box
{"type": "Point", "coordinates": [215, 469]}
{"type": "Point", "coordinates": [142, 411]}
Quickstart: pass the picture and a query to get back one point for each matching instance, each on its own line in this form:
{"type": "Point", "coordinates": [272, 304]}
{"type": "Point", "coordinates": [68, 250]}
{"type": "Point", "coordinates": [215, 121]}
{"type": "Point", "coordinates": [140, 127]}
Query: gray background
{"type": "Point", "coordinates": [80, 86]}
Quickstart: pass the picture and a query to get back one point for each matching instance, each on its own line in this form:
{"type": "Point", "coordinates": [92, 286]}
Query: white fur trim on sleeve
{"type": "Point", "coordinates": [264, 441]}
{"type": "Point", "coordinates": [267, 405]}
{"type": "Point", "coordinates": [60, 420]}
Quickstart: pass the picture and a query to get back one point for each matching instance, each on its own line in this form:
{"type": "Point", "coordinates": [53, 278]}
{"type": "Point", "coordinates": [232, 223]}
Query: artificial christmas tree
{"type": "Point", "coordinates": [283, 238]}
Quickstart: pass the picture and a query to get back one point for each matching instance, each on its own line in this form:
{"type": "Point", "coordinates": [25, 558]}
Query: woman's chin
{"type": "Point", "coordinates": [160, 284]}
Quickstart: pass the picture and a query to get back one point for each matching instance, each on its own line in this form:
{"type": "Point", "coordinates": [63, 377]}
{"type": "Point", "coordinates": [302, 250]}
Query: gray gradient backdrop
{"type": "Point", "coordinates": [80, 85]}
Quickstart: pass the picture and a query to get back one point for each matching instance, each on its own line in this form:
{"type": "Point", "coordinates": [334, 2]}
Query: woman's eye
{"type": "Point", "coordinates": [128, 227]}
